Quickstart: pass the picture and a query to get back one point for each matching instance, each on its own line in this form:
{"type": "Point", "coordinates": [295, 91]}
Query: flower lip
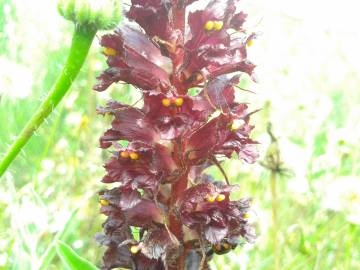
{"type": "Point", "coordinates": [133, 58]}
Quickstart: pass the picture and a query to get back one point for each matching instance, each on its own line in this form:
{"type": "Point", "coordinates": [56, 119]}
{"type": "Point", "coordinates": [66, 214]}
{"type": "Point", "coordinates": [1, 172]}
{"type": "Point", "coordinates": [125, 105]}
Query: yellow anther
{"type": "Point", "coordinates": [134, 249]}
{"type": "Point", "coordinates": [134, 156]}
{"type": "Point", "coordinates": [236, 124]}
{"type": "Point", "coordinates": [124, 154]}
{"type": "Point", "coordinates": [178, 102]}
{"type": "Point", "coordinates": [166, 102]}
{"type": "Point", "coordinates": [209, 25]}
{"type": "Point", "coordinates": [226, 246]}
{"type": "Point", "coordinates": [210, 198]}
{"type": "Point", "coordinates": [217, 247]}
{"type": "Point", "coordinates": [218, 25]}
{"type": "Point", "coordinates": [104, 202]}
{"type": "Point", "coordinates": [109, 51]}
{"type": "Point", "coordinates": [220, 197]}
{"type": "Point", "coordinates": [246, 216]}
{"type": "Point", "coordinates": [250, 42]}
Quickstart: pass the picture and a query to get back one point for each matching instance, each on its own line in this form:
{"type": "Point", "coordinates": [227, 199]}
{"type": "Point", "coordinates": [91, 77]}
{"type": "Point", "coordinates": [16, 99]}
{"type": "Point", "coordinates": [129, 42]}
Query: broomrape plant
{"type": "Point", "coordinates": [181, 215]}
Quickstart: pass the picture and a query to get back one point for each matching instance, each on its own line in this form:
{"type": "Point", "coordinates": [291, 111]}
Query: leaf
{"type": "Point", "coordinates": [320, 143]}
{"type": "Point", "coordinates": [71, 259]}
{"type": "Point", "coordinates": [50, 251]}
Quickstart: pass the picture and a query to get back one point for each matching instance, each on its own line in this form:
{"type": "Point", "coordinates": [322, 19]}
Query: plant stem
{"type": "Point", "coordinates": [81, 42]}
{"type": "Point", "coordinates": [177, 190]}
{"type": "Point", "coordinates": [275, 219]}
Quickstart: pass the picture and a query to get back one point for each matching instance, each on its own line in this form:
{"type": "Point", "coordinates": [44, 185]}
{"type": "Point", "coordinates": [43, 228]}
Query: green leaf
{"type": "Point", "coordinates": [71, 259]}
{"type": "Point", "coordinates": [50, 252]}
{"type": "Point", "coordinates": [320, 143]}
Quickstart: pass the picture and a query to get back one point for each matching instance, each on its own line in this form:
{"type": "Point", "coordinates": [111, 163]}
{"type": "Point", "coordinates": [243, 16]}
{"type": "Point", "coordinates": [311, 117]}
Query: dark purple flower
{"type": "Point", "coordinates": [134, 59]}
{"type": "Point", "coordinates": [207, 209]}
{"type": "Point", "coordinates": [160, 190]}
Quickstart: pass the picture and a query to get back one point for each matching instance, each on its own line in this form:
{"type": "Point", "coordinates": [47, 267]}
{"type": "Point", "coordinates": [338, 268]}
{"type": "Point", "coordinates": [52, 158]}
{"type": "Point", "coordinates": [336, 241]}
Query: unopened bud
{"type": "Point", "coordinates": [100, 14]}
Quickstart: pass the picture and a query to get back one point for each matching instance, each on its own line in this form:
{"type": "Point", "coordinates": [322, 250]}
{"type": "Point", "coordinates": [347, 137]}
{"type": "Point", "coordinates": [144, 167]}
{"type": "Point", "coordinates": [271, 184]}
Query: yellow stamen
{"type": "Point", "coordinates": [134, 249]}
{"type": "Point", "coordinates": [218, 25]}
{"type": "Point", "coordinates": [217, 247]}
{"type": "Point", "coordinates": [236, 124]}
{"type": "Point", "coordinates": [124, 154]}
{"type": "Point", "coordinates": [246, 216]}
{"type": "Point", "coordinates": [166, 102]}
{"type": "Point", "coordinates": [226, 246]}
{"type": "Point", "coordinates": [209, 25]}
{"type": "Point", "coordinates": [109, 51]}
{"type": "Point", "coordinates": [210, 198]}
{"type": "Point", "coordinates": [178, 102]}
{"type": "Point", "coordinates": [250, 42]}
{"type": "Point", "coordinates": [220, 197]}
{"type": "Point", "coordinates": [134, 156]}
{"type": "Point", "coordinates": [104, 202]}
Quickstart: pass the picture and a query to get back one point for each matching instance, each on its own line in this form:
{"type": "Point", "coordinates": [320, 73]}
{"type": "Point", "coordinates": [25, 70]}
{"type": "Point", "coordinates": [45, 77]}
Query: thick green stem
{"type": "Point", "coordinates": [81, 42]}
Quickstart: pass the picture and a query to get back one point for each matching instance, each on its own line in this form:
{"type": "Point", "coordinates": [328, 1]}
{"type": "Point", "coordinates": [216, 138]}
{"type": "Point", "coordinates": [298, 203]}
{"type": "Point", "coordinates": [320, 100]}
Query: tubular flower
{"type": "Point", "coordinates": [161, 191]}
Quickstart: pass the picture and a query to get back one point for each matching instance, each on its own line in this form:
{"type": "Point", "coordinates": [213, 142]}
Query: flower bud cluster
{"type": "Point", "coordinates": [100, 14]}
{"type": "Point", "coordinates": [164, 207]}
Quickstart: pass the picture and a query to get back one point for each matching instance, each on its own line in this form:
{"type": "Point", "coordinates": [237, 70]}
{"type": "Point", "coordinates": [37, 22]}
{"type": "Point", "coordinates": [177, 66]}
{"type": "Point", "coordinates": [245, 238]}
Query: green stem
{"type": "Point", "coordinates": [273, 181]}
{"type": "Point", "coordinates": [81, 42]}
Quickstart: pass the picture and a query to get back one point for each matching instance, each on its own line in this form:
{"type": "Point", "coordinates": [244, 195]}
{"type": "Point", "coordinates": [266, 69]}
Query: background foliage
{"type": "Point", "coordinates": [309, 90]}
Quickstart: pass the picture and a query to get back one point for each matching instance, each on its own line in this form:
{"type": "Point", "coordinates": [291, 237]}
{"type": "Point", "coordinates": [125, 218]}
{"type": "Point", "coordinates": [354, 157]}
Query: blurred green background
{"type": "Point", "coordinates": [308, 69]}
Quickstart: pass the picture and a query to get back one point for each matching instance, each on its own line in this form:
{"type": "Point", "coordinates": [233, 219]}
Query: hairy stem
{"type": "Point", "coordinates": [81, 42]}
{"type": "Point", "coordinates": [177, 190]}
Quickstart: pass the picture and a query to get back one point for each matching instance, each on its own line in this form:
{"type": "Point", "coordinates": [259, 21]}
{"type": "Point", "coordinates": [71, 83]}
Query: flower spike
{"type": "Point", "coordinates": [174, 137]}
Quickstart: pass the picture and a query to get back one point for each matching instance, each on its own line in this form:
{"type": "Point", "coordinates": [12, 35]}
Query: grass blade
{"type": "Point", "coordinates": [71, 259]}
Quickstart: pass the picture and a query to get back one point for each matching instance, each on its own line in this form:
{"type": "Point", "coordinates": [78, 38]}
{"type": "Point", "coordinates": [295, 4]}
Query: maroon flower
{"type": "Point", "coordinates": [207, 209]}
{"type": "Point", "coordinates": [133, 58]}
{"type": "Point", "coordinates": [182, 216]}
